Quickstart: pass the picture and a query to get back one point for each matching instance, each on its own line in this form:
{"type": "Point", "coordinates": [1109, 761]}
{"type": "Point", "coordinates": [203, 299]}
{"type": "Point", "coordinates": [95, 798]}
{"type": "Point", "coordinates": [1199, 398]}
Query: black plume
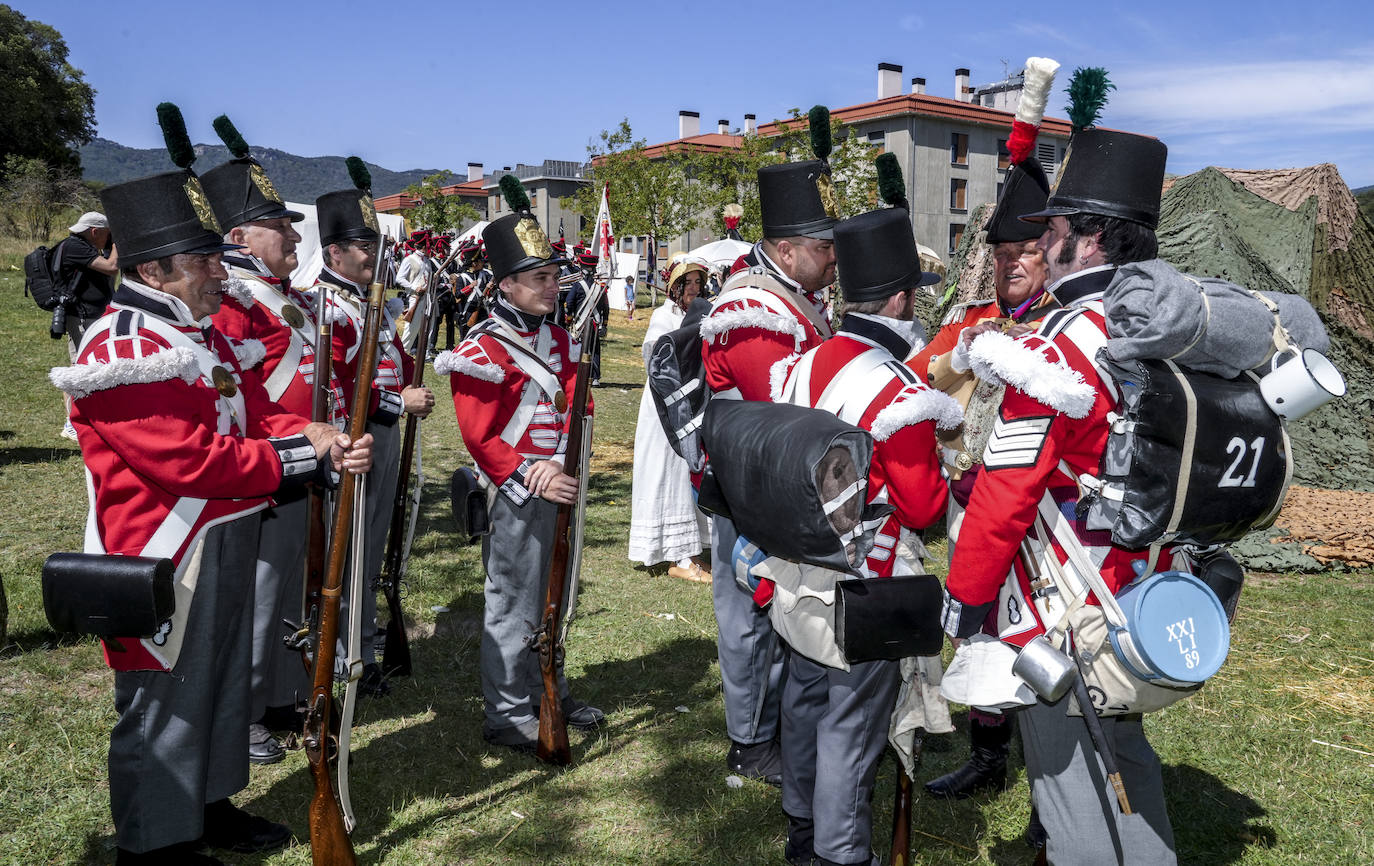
{"type": "Point", "coordinates": [891, 185]}
{"type": "Point", "coordinates": [229, 134]}
{"type": "Point", "coordinates": [358, 173]}
{"type": "Point", "coordinates": [174, 133]}
{"type": "Point", "coordinates": [821, 143]}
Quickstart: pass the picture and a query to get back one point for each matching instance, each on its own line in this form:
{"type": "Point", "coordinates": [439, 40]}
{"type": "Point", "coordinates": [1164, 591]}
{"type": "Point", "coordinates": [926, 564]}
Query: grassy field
{"type": "Point", "coordinates": [1273, 763]}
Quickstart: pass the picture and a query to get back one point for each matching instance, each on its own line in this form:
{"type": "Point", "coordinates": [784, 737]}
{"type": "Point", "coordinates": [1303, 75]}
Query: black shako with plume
{"type": "Point", "coordinates": [349, 214]}
{"type": "Point", "coordinates": [240, 191]}
{"type": "Point", "coordinates": [515, 242]}
{"type": "Point", "coordinates": [166, 213]}
{"type": "Point", "coordinates": [798, 198]}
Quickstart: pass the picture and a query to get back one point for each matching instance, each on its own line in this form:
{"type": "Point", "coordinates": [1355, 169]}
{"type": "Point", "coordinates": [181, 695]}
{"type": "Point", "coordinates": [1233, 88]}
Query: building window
{"type": "Point", "coordinates": [1003, 155]}
{"type": "Point", "coordinates": [534, 199]}
{"type": "Point", "coordinates": [1044, 151]}
{"type": "Point", "coordinates": [494, 204]}
{"type": "Point", "coordinates": [958, 191]}
{"type": "Point", "coordinates": [958, 148]}
{"type": "Point", "coordinates": [956, 234]}
{"type": "Point", "coordinates": [878, 140]}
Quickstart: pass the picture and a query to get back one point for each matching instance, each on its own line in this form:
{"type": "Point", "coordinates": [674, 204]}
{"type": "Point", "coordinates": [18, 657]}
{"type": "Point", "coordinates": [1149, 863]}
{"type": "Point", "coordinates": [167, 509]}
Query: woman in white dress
{"type": "Point", "coordinates": [665, 525]}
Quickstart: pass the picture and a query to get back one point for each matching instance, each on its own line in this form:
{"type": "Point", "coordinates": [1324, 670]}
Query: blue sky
{"type": "Point", "coordinates": [421, 85]}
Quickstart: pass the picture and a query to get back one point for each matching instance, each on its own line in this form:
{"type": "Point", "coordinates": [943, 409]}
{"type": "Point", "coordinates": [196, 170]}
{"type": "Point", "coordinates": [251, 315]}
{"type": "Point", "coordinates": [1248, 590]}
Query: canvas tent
{"type": "Point", "coordinates": [308, 248]}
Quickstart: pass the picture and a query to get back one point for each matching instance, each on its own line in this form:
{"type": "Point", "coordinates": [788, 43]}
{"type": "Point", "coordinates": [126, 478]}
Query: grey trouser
{"type": "Point", "coordinates": [749, 650]}
{"type": "Point", "coordinates": [279, 677]}
{"type": "Point", "coordinates": [516, 555]}
{"type": "Point", "coordinates": [381, 493]}
{"type": "Point", "coordinates": [1074, 799]}
{"type": "Point", "coordinates": [181, 740]}
{"type": "Point", "coordinates": [834, 729]}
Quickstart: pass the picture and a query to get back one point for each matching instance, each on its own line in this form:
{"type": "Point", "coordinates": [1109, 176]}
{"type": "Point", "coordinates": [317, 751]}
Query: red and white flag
{"type": "Point", "coordinates": [603, 239]}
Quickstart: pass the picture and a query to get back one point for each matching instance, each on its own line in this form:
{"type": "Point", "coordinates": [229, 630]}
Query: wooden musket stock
{"type": "Point", "coordinates": [330, 844]}
{"type": "Point", "coordinates": [553, 745]}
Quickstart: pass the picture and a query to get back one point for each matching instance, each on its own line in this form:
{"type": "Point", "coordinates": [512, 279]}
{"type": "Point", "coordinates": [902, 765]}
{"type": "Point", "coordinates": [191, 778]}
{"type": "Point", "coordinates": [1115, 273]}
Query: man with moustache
{"type": "Point", "coordinates": [261, 305]}
{"type": "Point", "coordinates": [182, 448]}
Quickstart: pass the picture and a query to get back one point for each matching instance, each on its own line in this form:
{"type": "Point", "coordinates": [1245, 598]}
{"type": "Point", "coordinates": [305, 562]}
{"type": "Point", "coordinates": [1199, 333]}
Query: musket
{"type": "Point", "coordinates": [329, 840]}
{"type": "Point", "coordinates": [396, 655]}
{"type": "Point", "coordinates": [553, 747]}
{"type": "Point", "coordinates": [901, 807]}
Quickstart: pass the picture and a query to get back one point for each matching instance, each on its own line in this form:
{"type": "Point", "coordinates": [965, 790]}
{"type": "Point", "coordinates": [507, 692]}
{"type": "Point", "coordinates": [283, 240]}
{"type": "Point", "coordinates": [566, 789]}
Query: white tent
{"type": "Point", "coordinates": [625, 263]}
{"type": "Point", "coordinates": [308, 249]}
{"type": "Point", "coordinates": [721, 253]}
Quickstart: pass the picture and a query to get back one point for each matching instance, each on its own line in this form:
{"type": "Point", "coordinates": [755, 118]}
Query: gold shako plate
{"type": "Point", "coordinates": [195, 194]}
{"type": "Point", "coordinates": [532, 238]}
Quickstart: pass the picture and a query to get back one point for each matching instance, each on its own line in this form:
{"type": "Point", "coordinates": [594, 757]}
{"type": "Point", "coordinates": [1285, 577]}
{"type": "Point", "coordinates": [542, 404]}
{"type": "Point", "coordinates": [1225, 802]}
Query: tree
{"type": "Point", "coordinates": [33, 195]}
{"type": "Point", "coordinates": [436, 211]}
{"type": "Point", "coordinates": [47, 110]}
{"type": "Point", "coordinates": [656, 195]}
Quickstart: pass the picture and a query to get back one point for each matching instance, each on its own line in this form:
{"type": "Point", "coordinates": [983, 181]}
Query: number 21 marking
{"type": "Point", "coordinates": [1237, 445]}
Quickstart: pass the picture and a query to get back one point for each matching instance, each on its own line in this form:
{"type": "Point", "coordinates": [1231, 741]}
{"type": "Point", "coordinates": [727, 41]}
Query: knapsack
{"type": "Point", "coordinates": [677, 385]}
{"type": "Point", "coordinates": [42, 272]}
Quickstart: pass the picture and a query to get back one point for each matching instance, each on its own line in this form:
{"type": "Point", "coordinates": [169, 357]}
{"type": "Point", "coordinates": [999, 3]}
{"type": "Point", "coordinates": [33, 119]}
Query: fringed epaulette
{"type": "Point", "coordinates": [959, 311]}
{"type": "Point", "coordinates": [238, 289]}
{"type": "Point", "coordinates": [1026, 364]}
{"type": "Point", "coordinates": [82, 380]}
{"type": "Point", "coordinates": [454, 362]}
{"type": "Point", "coordinates": [915, 404]}
{"type": "Point", "coordinates": [249, 352]}
{"type": "Point", "coordinates": [777, 375]}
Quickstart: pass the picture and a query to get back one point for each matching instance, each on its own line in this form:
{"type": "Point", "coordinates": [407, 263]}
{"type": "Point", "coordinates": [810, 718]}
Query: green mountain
{"type": "Point", "coordinates": [1365, 196]}
{"type": "Point", "coordinates": [298, 178]}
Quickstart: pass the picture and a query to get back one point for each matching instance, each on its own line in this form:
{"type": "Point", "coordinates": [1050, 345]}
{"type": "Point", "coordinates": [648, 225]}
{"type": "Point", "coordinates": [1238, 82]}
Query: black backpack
{"type": "Point", "coordinates": [677, 385]}
{"type": "Point", "coordinates": [42, 278]}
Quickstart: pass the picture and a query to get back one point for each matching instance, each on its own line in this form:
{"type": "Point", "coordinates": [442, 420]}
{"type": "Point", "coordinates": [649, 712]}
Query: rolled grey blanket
{"type": "Point", "coordinates": [1155, 311]}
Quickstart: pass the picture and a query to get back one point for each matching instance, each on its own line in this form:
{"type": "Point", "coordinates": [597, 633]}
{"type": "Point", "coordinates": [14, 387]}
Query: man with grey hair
{"type": "Point", "coordinates": [86, 263]}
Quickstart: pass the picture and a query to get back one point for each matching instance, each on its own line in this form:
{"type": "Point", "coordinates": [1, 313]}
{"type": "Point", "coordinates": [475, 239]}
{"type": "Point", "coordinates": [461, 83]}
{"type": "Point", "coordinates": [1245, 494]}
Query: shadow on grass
{"type": "Point", "coordinates": [1212, 822]}
{"type": "Point", "coordinates": [38, 640]}
{"type": "Point", "coordinates": [53, 454]}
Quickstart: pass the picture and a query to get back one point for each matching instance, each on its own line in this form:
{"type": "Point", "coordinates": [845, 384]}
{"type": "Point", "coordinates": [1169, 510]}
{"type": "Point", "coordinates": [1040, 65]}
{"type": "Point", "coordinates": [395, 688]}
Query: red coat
{"type": "Point", "coordinates": [902, 417]}
{"type": "Point", "coordinates": [488, 388]}
{"type": "Point", "coordinates": [167, 455]}
{"type": "Point", "coordinates": [247, 313]}
{"type": "Point", "coordinates": [395, 368]}
{"type": "Point", "coordinates": [1055, 409]}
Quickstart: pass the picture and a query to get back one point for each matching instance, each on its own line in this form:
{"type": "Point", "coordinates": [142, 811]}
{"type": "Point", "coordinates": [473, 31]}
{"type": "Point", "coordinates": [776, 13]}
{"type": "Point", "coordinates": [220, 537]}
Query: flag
{"type": "Point", "coordinates": [652, 261]}
{"type": "Point", "coordinates": [603, 237]}
{"type": "Point", "coordinates": [561, 239]}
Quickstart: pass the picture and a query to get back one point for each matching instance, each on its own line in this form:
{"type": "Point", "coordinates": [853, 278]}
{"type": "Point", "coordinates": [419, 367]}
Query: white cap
{"type": "Point", "coordinates": [89, 220]}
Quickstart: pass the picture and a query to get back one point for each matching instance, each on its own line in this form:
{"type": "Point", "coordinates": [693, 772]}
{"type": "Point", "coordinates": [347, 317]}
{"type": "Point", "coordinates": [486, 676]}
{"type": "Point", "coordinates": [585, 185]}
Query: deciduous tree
{"type": "Point", "coordinates": [47, 110]}
{"type": "Point", "coordinates": [436, 211]}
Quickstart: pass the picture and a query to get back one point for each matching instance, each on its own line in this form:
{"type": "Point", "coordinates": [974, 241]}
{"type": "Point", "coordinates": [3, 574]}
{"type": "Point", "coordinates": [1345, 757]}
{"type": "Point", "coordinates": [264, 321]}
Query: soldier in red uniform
{"type": "Point", "coordinates": [1019, 272]}
{"type": "Point", "coordinates": [183, 448]}
{"type": "Point", "coordinates": [834, 721]}
{"type": "Point", "coordinates": [348, 243]}
{"type": "Point", "coordinates": [261, 305]}
{"type": "Point", "coordinates": [1051, 428]}
{"type": "Point", "coordinates": [511, 377]}
{"type": "Point", "coordinates": [765, 314]}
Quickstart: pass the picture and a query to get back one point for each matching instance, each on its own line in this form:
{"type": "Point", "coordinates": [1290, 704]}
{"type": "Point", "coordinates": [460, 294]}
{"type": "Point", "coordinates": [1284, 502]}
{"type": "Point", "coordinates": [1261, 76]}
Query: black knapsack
{"type": "Point", "coordinates": [42, 278]}
{"type": "Point", "coordinates": [677, 385]}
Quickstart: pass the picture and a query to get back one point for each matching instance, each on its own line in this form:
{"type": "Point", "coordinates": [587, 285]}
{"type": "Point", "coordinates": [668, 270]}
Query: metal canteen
{"type": "Point", "coordinates": [1048, 671]}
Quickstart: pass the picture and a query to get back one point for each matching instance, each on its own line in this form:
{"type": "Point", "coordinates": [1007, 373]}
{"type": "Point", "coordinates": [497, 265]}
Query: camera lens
{"type": "Point", "coordinates": [59, 323]}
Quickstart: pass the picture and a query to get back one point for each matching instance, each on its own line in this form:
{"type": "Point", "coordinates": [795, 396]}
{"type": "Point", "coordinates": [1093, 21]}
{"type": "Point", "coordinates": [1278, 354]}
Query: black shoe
{"type": "Point", "coordinates": [288, 717]}
{"type": "Point", "coordinates": [522, 737]}
{"type": "Point", "coordinates": [373, 684]}
{"type": "Point", "coordinates": [231, 829]}
{"type": "Point", "coordinates": [801, 839]}
{"type": "Point", "coordinates": [761, 761]}
{"type": "Point", "coordinates": [986, 767]}
{"type": "Point", "coordinates": [584, 717]}
{"type": "Point", "coordinates": [263, 748]}
{"type": "Point", "coordinates": [183, 854]}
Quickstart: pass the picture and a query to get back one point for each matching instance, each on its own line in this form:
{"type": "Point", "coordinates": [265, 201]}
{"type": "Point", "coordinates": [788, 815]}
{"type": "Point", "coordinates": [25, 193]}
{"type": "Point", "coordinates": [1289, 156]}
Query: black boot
{"type": "Point", "coordinates": [1036, 837]}
{"type": "Point", "coordinates": [801, 838]}
{"type": "Point", "coordinates": [987, 764]}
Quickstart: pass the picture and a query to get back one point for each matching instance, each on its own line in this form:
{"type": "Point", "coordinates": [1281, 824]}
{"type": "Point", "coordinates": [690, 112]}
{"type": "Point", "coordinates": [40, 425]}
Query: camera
{"type": "Point", "coordinates": [58, 329]}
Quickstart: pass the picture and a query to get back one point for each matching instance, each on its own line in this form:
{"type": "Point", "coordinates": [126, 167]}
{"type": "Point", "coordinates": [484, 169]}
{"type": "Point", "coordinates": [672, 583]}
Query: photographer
{"type": "Point", "coordinates": [87, 263]}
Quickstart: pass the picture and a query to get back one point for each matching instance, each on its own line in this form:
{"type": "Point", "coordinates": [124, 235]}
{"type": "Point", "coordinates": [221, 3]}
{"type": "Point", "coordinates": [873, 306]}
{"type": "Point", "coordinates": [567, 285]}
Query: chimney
{"type": "Point", "coordinates": [688, 124]}
{"type": "Point", "coordinates": [723, 127]}
{"type": "Point", "coordinates": [889, 80]}
{"type": "Point", "coordinates": [474, 171]}
{"type": "Point", "coordinates": [961, 89]}
{"type": "Point", "coordinates": [750, 124]}
{"type": "Point", "coordinates": [918, 85]}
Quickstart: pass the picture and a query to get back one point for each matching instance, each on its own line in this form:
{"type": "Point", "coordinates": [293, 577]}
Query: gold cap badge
{"type": "Point", "coordinates": [369, 213]}
{"type": "Point", "coordinates": [263, 183]}
{"type": "Point", "coordinates": [195, 194]}
{"type": "Point", "coordinates": [826, 187]}
{"type": "Point", "coordinates": [532, 238]}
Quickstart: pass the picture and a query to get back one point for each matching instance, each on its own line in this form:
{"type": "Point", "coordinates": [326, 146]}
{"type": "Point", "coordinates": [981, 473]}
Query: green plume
{"type": "Point", "coordinates": [358, 173]}
{"type": "Point", "coordinates": [514, 192]}
{"type": "Point", "coordinates": [1087, 96]}
{"type": "Point", "coordinates": [174, 133]}
{"type": "Point", "coordinates": [819, 121]}
{"type": "Point", "coordinates": [229, 134]}
{"type": "Point", "coordinates": [891, 186]}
